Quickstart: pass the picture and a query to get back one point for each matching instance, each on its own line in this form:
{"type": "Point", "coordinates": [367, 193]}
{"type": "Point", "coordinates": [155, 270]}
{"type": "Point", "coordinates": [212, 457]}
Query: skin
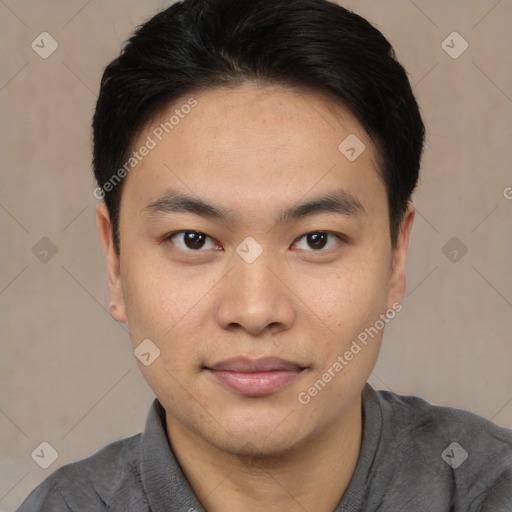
{"type": "Point", "coordinates": [255, 151]}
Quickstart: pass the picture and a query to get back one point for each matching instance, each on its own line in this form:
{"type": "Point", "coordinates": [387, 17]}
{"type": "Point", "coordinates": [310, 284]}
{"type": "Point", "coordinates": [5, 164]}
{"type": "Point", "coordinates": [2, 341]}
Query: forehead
{"type": "Point", "coordinates": [260, 144]}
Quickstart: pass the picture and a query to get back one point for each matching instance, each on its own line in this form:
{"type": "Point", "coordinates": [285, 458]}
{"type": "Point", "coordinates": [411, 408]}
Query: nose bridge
{"type": "Point", "coordinates": [255, 296]}
{"type": "Point", "coordinates": [252, 270]}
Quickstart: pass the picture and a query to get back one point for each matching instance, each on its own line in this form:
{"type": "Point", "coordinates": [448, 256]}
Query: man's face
{"type": "Point", "coordinates": [252, 284]}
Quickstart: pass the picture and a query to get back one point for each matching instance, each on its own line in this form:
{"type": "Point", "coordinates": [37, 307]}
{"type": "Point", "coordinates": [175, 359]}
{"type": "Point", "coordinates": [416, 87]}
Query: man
{"type": "Point", "coordinates": [257, 160]}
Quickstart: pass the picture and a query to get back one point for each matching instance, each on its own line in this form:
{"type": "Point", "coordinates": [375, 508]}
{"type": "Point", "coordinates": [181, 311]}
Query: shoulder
{"type": "Point", "coordinates": [94, 483]}
{"type": "Point", "coordinates": [423, 419]}
{"type": "Point", "coordinates": [458, 446]}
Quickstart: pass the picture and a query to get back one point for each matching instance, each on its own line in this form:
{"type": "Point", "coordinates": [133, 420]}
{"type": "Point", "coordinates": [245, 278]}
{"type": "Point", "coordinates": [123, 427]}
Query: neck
{"type": "Point", "coordinates": [313, 476]}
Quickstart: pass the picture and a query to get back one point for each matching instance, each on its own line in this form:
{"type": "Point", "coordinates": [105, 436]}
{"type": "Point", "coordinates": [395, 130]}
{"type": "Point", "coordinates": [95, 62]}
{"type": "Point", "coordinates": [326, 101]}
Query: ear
{"type": "Point", "coordinates": [397, 280]}
{"type": "Point", "coordinates": [117, 307]}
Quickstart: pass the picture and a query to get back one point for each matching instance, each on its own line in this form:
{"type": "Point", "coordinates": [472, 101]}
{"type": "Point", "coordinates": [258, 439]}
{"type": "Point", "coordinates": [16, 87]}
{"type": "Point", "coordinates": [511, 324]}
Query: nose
{"type": "Point", "coordinates": [256, 297]}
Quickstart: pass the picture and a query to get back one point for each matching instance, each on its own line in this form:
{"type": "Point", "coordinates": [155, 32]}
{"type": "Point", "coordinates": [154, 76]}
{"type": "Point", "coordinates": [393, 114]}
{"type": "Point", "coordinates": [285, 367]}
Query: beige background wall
{"type": "Point", "coordinates": [67, 373]}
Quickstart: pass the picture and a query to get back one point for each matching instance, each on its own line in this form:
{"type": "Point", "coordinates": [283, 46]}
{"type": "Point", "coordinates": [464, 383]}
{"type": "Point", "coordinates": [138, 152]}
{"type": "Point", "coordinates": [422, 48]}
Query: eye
{"type": "Point", "coordinates": [319, 240]}
{"type": "Point", "coordinates": [191, 241]}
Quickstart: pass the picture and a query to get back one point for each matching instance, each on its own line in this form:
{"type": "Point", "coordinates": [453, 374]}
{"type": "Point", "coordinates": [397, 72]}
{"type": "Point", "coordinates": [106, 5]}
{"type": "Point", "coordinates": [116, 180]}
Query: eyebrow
{"type": "Point", "coordinates": [340, 202]}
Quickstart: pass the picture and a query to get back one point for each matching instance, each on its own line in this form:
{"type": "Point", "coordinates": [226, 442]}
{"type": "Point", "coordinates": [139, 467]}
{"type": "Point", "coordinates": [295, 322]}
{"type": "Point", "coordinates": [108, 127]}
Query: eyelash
{"type": "Point", "coordinates": [341, 238]}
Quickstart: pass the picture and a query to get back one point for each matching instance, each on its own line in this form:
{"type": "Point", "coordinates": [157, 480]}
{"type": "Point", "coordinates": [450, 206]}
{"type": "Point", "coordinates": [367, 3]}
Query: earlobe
{"type": "Point", "coordinates": [398, 278]}
{"type": "Point", "coordinates": [115, 290]}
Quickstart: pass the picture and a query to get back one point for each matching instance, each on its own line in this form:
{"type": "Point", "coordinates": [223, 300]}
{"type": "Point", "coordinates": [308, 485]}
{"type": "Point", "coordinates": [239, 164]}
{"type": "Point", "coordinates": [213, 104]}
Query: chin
{"type": "Point", "coordinates": [261, 437]}
{"type": "Point", "coordinates": [259, 446]}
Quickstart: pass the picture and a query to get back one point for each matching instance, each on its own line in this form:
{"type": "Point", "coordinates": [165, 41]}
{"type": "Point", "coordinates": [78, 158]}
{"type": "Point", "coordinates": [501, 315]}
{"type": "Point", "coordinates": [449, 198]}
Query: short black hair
{"type": "Point", "coordinates": [315, 44]}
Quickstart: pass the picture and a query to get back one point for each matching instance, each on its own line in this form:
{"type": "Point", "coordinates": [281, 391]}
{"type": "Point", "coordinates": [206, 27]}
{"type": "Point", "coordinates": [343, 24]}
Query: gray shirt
{"type": "Point", "coordinates": [415, 457]}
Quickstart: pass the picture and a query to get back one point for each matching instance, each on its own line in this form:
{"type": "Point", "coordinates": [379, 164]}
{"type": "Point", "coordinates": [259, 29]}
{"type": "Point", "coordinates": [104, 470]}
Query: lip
{"type": "Point", "coordinates": [255, 377]}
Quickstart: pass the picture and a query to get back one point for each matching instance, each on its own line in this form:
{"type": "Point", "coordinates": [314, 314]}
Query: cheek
{"type": "Point", "coordinates": [167, 307]}
{"type": "Point", "coordinates": [143, 303]}
{"type": "Point", "coordinates": [155, 297]}
{"type": "Point", "coordinates": [161, 310]}
{"type": "Point", "coordinates": [356, 297]}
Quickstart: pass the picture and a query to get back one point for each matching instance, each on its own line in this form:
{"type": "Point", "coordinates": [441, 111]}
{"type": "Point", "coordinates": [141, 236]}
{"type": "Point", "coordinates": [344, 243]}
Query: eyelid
{"type": "Point", "coordinates": [342, 239]}
{"type": "Point", "coordinates": [167, 238]}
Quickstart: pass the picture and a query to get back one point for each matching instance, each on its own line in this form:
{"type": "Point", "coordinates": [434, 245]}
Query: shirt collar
{"type": "Point", "coordinates": [164, 482]}
{"type": "Point", "coordinates": [357, 491]}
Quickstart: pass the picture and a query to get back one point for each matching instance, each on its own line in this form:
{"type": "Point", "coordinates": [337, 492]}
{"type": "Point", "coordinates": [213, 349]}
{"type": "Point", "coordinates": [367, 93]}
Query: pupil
{"type": "Point", "coordinates": [317, 240]}
{"type": "Point", "coordinates": [194, 240]}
